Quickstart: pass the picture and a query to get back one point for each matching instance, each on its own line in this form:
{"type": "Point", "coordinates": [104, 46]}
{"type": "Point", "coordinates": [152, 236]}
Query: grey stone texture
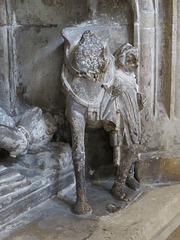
{"type": "Point", "coordinates": [4, 69]}
{"type": "Point", "coordinates": [54, 220]}
{"type": "Point", "coordinates": [27, 181]}
{"type": "Point", "coordinates": [31, 56]}
{"type": "Point", "coordinates": [38, 51]}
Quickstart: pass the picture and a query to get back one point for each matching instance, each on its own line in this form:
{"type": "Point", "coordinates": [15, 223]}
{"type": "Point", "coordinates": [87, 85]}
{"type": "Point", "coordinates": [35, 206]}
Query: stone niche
{"type": "Point", "coordinates": [31, 57]}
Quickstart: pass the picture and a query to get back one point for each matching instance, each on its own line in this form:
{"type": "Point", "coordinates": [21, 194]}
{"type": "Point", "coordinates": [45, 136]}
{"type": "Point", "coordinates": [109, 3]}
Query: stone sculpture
{"type": "Point", "coordinates": [29, 132]}
{"type": "Point", "coordinates": [101, 91]}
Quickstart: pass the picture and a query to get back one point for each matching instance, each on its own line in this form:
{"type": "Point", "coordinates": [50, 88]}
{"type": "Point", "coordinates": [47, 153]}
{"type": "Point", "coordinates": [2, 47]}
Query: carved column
{"type": "Point", "coordinates": [177, 87]}
{"type": "Point", "coordinates": [5, 84]}
{"type": "Point", "coordinates": [147, 50]}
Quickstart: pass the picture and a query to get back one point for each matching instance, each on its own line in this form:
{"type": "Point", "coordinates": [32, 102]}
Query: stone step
{"type": "Point", "coordinates": [14, 186]}
{"type": "Point", "coordinates": [49, 172]}
{"type": "Point", "coordinates": [9, 175]}
{"type": "Point", "coordinates": [2, 168]}
{"type": "Point", "coordinates": [13, 197]}
{"type": "Point", "coordinates": [25, 203]}
{"type": "Point", "coordinates": [10, 181]}
{"type": "Point", "coordinates": [153, 216]}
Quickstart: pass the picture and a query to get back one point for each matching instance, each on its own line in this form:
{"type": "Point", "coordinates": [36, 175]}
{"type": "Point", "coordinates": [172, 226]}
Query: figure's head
{"type": "Point", "coordinates": [127, 57]}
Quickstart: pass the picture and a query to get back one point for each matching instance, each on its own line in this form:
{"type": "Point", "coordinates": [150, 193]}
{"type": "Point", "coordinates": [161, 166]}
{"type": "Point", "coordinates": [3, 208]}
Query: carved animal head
{"type": "Point", "coordinates": [90, 56]}
{"type": "Point", "coordinates": [127, 57]}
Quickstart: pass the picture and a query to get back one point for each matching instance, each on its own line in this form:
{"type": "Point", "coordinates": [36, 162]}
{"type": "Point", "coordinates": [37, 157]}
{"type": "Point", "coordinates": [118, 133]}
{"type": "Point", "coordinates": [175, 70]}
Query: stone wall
{"type": "Point", "coordinates": [37, 45]}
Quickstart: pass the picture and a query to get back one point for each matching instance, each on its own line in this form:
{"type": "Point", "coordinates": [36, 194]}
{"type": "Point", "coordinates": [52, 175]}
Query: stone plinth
{"type": "Point", "coordinates": [28, 181]}
{"type": "Point", "coordinates": [159, 167]}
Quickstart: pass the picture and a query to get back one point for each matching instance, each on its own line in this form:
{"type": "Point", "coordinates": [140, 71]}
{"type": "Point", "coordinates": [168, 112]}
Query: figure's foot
{"type": "Point", "coordinates": [120, 192]}
{"type": "Point", "coordinates": [133, 183]}
{"type": "Point", "coordinates": [82, 208]}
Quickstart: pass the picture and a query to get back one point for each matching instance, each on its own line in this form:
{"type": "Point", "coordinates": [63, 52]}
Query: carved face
{"type": "Point", "coordinates": [127, 58]}
{"type": "Point", "coordinates": [131, 62]}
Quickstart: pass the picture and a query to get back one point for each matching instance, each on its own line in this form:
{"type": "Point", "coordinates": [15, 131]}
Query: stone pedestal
{"type": "Point", "coordinates": [28, 181]}
{"type": "Point", "coordinates": [158, 167]}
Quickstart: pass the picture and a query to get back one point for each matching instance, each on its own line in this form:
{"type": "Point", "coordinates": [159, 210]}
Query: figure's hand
{"type": "Point", "coordinates": [142, 100]}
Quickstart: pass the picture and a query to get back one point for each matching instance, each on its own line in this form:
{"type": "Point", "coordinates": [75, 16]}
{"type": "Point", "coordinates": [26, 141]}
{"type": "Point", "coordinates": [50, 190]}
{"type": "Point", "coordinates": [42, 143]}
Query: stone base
{"type": "Point", "coordinates": [151, 168]}
{"type": "Point", "coordinates": [158, 167]}
{"type": "Point", "coordinates": [29, 180]}
{"type": "Point", "coordinates": [151, 216]}
{"type": "Point", "coordinates": [154, 216]}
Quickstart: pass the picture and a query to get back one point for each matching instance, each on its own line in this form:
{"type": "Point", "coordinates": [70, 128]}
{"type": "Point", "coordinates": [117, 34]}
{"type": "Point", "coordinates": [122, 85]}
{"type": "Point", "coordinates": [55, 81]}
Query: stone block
{"type": "Point", "coordinates": [56, 157]}
{"type": "Point", "coordinates": [152, 216]}
{"type": "Point", "coordinates": [112, 12]}
{"type": "Point", "coordinates": [119, 36]}
{"type": "Point", "coordinates": [147, 20]}
{"type": "Point", "coordinates": [39, 54]}
{"type": "Point", "coordinates": [146, 6]}
{"type": "Point", "coordinates": [159, 167]}
{"type": "Point", "coordinates": [147, 71]}
{"type": "Point", "coordinates": [49, 12]}
{"type": "Point", "coordinates": [147, 36]}
{"type": "Point", "coordinates": [27, 181]}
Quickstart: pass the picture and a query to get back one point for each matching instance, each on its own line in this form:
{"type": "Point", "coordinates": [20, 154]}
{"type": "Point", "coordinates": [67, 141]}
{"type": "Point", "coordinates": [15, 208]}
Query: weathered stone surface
{"type": "Point", "coordinates": [49, 12]}
{"type": "Point", "coordinates": [4, 69]}
{"type": "Point", "coordinates": [159, 167]}
{"type": "Point", "coordinates": [54, 220]}
{"type": "Point", "coordinates": [141, 222]}
{"type": "Point", "coordinates": [3, 16]}
{"type": "Point", "coordinates": [147, 20]}
{"type": "Point", "coordinates": [39, 54]}
{"type": "Point", "coordinates": [56, 157]}
{"type": "Point", "coordinates": [112, 12]}
{"type": "Point", "coordinates": [30, 131]}
{"type": "Point", "coordinates": [11, 181]}
{"type": "Point", "coordinates": [146, 5]}
{"type": "Point", "coordinates": [101, 91]}
{"type": "Point", "coordinates": [32, 52]}
{"type": "Point", "coordinates": [32, 179]}
{"type": "Point", "coordinates": [60, 12]}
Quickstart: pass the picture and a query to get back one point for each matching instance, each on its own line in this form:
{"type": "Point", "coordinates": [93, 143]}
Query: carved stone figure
{"type": "Point", "coordinates": [101, 91]}
{"type": "Point", "coordinates": [28, 132]}
{"type": "Point", "coordinates": [128, 105]}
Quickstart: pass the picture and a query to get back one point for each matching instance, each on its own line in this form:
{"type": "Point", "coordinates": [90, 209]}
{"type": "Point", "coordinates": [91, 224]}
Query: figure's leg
{"type": "Point", "coordinates": [131, 180]}
{"type": "Point", "coordinates": [78, 154]}
{"type": "Point", "coordinates": [116, 143]}
{"type": "Point", "coordinates": [119, 190]}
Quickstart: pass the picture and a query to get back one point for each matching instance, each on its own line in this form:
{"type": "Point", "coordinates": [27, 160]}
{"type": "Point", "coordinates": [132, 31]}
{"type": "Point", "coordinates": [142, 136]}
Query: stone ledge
{"type": "Point", "coordinates": [43, 175]}
{"type": "Point", "coordinates": [144, 219]}
{"type": "Point", "coordinates": [158, 167]}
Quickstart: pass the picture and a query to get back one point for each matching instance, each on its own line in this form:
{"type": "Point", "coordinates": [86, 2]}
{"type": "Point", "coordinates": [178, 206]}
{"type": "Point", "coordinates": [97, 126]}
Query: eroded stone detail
{"type": "Point", "coordinates": [101, 91]}
{"type": "Point", "coordinates": [28, 132]}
